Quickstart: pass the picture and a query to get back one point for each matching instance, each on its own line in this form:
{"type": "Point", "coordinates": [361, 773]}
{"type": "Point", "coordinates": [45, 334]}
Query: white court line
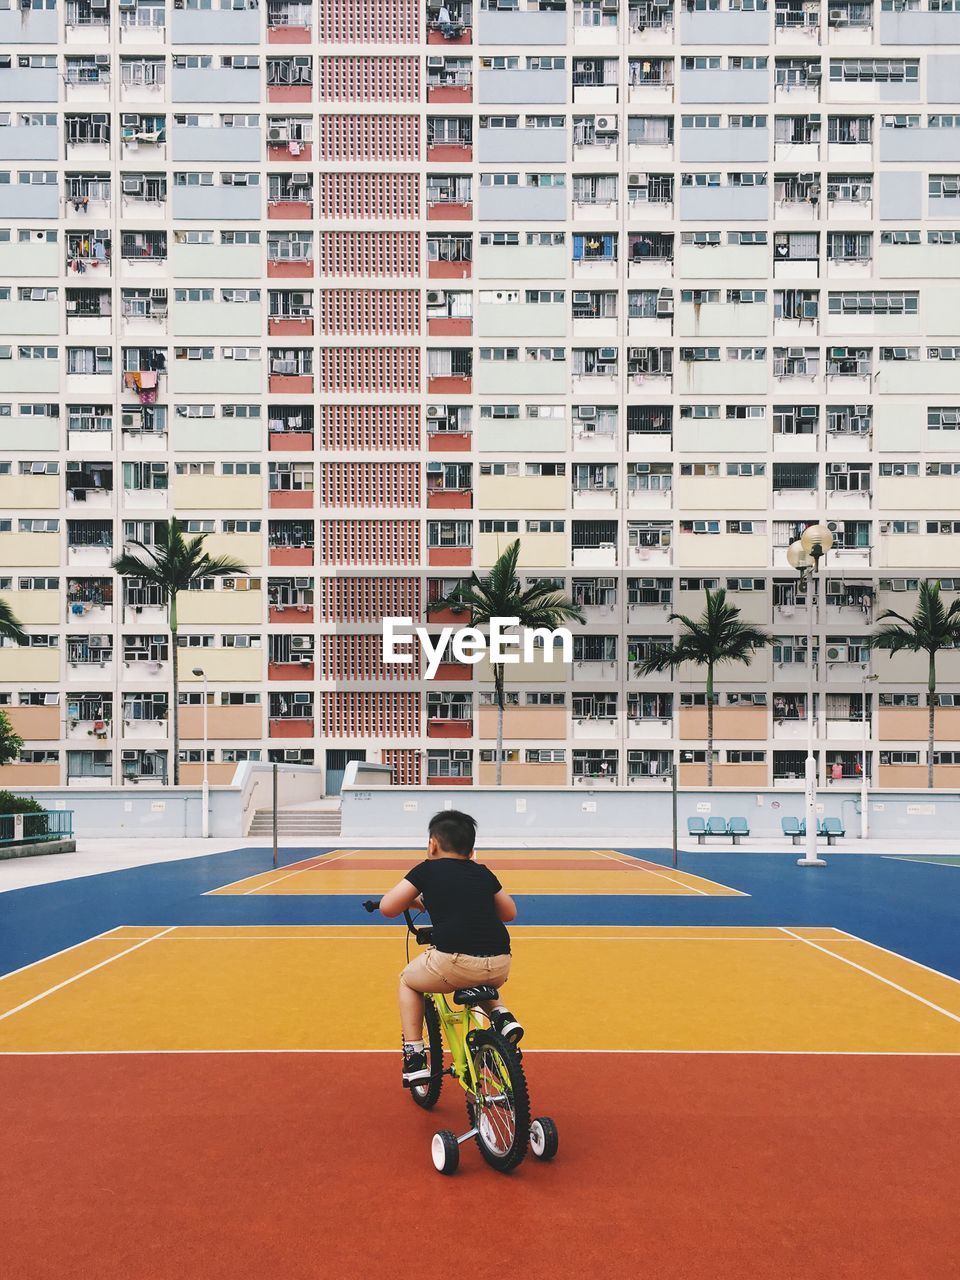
{"type": "Point", "coordinates": [663, 876]}
{"type": "Point", "coordinates": [879, 977]}
{"type": "Point", "coordinates": [854, 937]}
{"type": "Point", "coordinates": [687, 1053]}
{"type": "Point", "coordinates": [97, 937]}
{"type": "Point", "coordinates": [298, 871]}
{"type": "Point", "coordinates": [376, 936]}
{"type": "Point", "coordinates": [77, 976]}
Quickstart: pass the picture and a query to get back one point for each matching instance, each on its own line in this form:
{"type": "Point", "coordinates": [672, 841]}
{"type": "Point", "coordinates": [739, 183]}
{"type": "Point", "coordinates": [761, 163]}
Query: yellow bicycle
{"type": "Point", "coordinates": [488, 1068]}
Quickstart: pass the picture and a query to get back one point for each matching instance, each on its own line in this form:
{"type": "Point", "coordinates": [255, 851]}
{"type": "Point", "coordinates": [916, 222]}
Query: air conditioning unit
{"type": "Point", "coordinates": [837, 468]}
{"type": "Point", "coordinates": [299, 299]}
{"type": "Point", "coordinates": [795, 353]}
{"type": "Point", "coordinates": [98, 642]}
{"type": "Point", "coordinates": [103, 353]}
{"type": "Point", "coordinates": [435, 411]}
{"type": "Point", "coordinates": [128, 755]}
{"type": "Point", "coordinates": [132, 186]}
{"type": "Point", "coordinates": [862, 410]}
{"type": "Point", "coordinates": [636, 180]}
{"type": "Point", "coordinates": [607, 355]}
{"type": "Point", "coordinates": [434, 468]}
{"type": "Point", "coordinates": [436, 297]}
{"type": "Point", "coordinates": [276, 134]}
{"type": "Point", "coordinates": [132, 121]}
{"type": "Point", "coordinates": [808, 411]}
{"type": "Point", "coordinates": [303, 583]}
{"type": "Point", "coordinates": [586, 411]}
{"type": "Point", "coordinates": [606, 124]}
{"type": "Point", "coordinates": [300, 642]}
{"type": "Point", "coordinates": [435, 62]}
{"type": "Point", "coordinates": [130, 419]}
{"type": "Point", "coordinates": [837, 653]}
{"type": "Point", "coordinates": [71, 305]}
{"type": "Point", "coordinates": [581, 297]}
{"type": "Point", "coordinates": [814, 119]}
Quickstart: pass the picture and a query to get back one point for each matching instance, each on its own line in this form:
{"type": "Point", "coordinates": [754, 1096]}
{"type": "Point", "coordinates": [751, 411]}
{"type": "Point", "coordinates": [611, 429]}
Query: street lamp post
{"type": "Point", "coordinates": [864, 786]}
{"type": "Point", "coordinates": [205, 788]}
{"type": "Point", "coordinates": [805, 555]}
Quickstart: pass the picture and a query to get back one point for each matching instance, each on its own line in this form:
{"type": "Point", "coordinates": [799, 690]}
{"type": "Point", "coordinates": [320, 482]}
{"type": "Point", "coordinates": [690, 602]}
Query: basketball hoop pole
{"type": "Point", "coordinates": [673, 783]}
{"type": "Point", "coordinates": [275, 789]}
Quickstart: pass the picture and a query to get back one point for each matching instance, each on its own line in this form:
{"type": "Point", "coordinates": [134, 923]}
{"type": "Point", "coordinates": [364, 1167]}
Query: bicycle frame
{"type": "Point", "coordinates": [456, 1026]}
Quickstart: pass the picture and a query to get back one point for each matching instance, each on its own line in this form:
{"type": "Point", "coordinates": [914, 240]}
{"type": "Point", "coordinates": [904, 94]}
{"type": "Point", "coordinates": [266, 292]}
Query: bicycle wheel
{"type": "Point", "coordinates": [500, 1112]}
{"type": "Point", "coordinates": [426, 1095]}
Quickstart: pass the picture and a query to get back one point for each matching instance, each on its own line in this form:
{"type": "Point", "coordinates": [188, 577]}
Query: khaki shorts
{"type": "Point", "coordinates": [434, 970]}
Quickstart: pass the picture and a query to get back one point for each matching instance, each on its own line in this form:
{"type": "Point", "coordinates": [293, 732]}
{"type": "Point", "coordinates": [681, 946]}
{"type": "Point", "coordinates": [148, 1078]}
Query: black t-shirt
{"type": "Point", "coordinates": [458, 893]}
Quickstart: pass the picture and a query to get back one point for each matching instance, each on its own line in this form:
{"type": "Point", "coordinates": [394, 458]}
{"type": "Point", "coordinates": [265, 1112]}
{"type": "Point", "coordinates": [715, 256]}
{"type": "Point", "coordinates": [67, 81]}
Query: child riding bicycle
{"type": "Point", "coordinates": [471, 947]}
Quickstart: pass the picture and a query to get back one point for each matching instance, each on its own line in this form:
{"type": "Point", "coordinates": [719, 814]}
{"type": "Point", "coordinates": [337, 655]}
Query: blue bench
{"type": "Point", "coordinates": [696, 827]}
{"type": "Point", "coordinates": [831, 829]}
{"type": "Point", "coordinates": [796, 828]}
{"type": "Point", "coordinates": [735, 828]}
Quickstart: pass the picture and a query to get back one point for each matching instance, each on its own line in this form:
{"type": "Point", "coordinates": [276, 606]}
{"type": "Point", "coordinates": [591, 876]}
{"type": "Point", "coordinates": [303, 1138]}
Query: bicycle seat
{"type": "Point", "coordinates": [474, 995]}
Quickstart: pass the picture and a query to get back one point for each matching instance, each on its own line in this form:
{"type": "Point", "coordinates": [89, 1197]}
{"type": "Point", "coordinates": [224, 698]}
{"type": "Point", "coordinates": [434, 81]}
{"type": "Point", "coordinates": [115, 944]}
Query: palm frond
{"type": "Point", "coordinates": [10, 627]}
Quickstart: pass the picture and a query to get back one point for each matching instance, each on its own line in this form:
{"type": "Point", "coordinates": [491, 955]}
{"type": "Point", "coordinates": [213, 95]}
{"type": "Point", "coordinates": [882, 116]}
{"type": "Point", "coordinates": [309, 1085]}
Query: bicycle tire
{"type": "Point", "coordinates": [427, 1095]}
{"type": "Point", "coordinates": [502, 1149]}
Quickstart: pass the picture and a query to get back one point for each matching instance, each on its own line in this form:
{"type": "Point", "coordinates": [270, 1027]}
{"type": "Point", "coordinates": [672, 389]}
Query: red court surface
{"type": "Point", "coordinates": [671, 1167]}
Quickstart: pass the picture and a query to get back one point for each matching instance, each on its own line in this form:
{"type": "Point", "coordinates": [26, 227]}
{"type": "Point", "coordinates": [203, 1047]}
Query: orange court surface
{"type": "Point", "coordinates": [748, 1079]}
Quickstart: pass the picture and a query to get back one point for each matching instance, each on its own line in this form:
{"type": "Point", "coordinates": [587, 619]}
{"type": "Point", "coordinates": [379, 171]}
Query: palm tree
{"type": "Point", "coordinates": [716, 636]}
{"type": "Point", "coordinates": [171, 565]}
{"type": "Point", "coordinates": [500, 595]}
{"type": "Point", "coordinates": [10, 628]}
{"type": "Point", "coordinates": [933, 627]}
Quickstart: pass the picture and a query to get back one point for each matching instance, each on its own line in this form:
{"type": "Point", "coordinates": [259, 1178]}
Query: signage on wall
{"type": "Point", "coordinates": [589, 806]}
{"type": "Point", "coordinates": [411, 806]}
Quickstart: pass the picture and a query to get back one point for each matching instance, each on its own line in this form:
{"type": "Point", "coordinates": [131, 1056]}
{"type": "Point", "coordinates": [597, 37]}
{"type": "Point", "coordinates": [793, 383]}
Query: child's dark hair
{"type": "Point", "coordinates": [454, 832]}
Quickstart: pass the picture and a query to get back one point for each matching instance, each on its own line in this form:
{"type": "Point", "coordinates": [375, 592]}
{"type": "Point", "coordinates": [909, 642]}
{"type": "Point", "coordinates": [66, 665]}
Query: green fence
{"type": "Point", "coordinates": [34, 828]}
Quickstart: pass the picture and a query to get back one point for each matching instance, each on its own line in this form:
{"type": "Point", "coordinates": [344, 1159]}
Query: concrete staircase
{"type": "Point", "coordinates": [322, 825]}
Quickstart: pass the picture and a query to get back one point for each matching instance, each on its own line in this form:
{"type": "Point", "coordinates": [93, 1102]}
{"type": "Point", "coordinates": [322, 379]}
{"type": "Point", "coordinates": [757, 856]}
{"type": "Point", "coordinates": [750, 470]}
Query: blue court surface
{"type": "Point", "coordinates": [908, 906]}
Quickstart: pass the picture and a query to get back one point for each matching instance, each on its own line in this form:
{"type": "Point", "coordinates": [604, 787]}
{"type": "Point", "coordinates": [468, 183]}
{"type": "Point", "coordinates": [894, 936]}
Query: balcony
{"type": "Point", "coordinates": [522, 27]}
{"type": "Point", "coordinates": [235, 663]}
{"type": "Point", "coordinates": [289, 23]}
{"type": "Point", "coordinates": [302, 668]}
{"type": "Point", "coordinates": [203, 28]}
{"type": "Point", "coordinates": [294, 727]}
{"type": "Point", "coordinates": [35, 723]}
{"type": "Point", "coordinates": [459, 30]}
{"type": "Point", "coordinates": [192, 144]}
{"type": "Point", "coordinates": [224, 723]}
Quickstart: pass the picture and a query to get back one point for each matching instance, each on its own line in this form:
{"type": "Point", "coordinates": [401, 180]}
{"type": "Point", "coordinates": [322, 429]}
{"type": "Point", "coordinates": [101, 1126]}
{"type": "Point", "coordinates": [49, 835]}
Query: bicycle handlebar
{"type": "Point", "coordinates": [423, 935]}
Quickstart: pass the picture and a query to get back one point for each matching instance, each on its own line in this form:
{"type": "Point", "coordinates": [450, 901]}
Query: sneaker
{"type": "Point", "coordinates": [415, 1068]}
{"type": "Point", "coordinates": [506, 1025]}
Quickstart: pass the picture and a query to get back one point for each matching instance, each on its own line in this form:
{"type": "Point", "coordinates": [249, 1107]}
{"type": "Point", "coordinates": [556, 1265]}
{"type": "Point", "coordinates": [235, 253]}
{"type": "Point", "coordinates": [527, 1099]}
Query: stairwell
{"type": "Point", "coordinates": [297, 824]}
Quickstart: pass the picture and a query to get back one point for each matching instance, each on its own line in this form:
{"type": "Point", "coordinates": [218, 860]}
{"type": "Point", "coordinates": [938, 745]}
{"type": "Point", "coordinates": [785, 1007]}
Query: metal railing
{"type": "Point", "coordinates": [33, 828]}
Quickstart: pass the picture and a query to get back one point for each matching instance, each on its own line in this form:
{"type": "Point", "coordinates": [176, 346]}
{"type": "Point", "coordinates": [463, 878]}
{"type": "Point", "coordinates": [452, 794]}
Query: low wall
{"type": "Point", "coordinates": [37, 849]}
{"type": "Point", "coordinates": [157, 813]}
{"type": "Point", "coordinates": [616, 812]}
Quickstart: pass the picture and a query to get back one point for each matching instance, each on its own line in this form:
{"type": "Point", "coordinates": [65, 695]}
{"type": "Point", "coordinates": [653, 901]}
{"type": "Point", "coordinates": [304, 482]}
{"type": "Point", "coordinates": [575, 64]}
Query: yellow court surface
{"type": "Point", "coordinates": [317, 987]}
{"type": "Point", "coordinates": [522, 871]}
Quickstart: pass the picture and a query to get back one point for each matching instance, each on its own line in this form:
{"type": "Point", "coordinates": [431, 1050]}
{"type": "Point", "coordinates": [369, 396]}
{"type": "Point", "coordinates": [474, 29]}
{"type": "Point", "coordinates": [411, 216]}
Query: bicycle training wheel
{"type": "Point", "coordinates": [500, 1112]}
{"type": "Point", "coordinates": [426, 1095]}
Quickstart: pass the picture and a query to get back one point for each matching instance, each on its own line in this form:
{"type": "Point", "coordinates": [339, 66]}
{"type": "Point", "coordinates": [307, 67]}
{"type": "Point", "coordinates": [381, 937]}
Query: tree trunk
{"type": "Point", "coordinates": [709, 724]}
{"type": "Point", "coordinates": [175, 705]}
{"type": "Point", "coordinates": [498, 686]}
{"type": "Point", "coordinates": [931, 716]}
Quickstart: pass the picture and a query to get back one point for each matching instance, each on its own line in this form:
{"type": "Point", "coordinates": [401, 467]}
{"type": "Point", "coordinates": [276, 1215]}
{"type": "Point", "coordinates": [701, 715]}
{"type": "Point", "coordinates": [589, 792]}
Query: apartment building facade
{"type": "Point", "coordinates": [364, 291]}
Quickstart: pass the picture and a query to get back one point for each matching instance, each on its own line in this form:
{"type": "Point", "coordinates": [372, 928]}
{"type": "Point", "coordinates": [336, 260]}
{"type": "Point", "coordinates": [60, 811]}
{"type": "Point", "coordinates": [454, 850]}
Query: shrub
{"type": "Point", "coordinates": [19, 804]}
